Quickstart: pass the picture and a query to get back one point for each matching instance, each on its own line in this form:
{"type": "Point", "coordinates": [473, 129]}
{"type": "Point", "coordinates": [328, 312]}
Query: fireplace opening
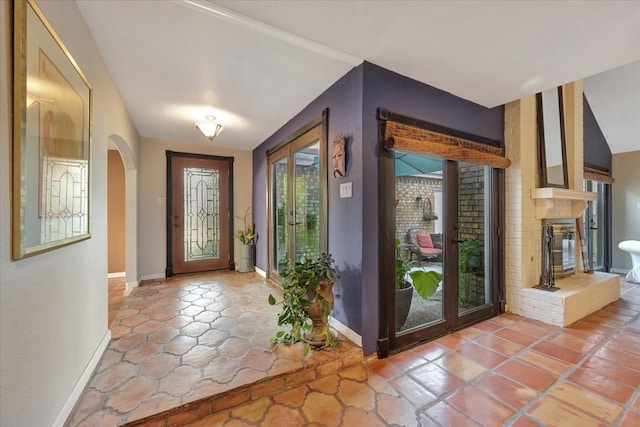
{"type": "Point", "coordinates": [563, 246]}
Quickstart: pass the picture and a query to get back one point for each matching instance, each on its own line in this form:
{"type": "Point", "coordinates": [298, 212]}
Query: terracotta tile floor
{"type": "Point", "coordinates": [507, 371]}
{"type": "Point", "coordinates": [117, 287]}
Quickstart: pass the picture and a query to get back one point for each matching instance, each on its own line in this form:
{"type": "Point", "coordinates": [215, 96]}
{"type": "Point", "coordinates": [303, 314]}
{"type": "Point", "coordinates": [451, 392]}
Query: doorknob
{"type": "Point", "coordinates": [458, 240]}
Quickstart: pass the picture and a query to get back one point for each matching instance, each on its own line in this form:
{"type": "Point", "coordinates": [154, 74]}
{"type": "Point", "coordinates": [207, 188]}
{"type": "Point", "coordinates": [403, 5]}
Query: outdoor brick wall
{"type": "Point", "coordinates": [471, 202]}
{"type": "Point", "coordinates": [409, 212]}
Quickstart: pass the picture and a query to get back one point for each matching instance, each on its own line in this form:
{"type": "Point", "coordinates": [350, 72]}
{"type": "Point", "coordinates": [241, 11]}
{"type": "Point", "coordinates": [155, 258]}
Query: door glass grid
{"type": "Point", "coordinates": [201, 214]}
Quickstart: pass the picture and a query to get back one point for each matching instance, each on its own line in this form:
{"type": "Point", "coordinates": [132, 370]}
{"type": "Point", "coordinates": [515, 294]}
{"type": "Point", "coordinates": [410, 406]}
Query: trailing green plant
{"type": "Point", "coordinates": [471, 276]}
{"type": "Point", "coordinates": [471, 256]}
{"type": "Point", "coordinates": [303, 283]}
{"type": "Point", "coordinates": [402, 267]}
{"type": "Point", "coordinates": [424, 282]}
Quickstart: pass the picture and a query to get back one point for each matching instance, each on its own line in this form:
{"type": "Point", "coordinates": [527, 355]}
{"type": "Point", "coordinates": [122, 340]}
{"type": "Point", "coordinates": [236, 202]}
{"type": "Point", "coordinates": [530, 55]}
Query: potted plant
{"type": "Point", "coordinates": [246, 236]}
{"type": "Point", "coordinates": [424, 282]}
{"type": "Point", "coordinates": [307, 290]}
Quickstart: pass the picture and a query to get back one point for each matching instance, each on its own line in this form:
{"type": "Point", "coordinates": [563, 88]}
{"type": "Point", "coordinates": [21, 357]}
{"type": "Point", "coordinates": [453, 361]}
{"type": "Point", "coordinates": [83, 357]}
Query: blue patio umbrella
{"type": "Point", "coordinates": [415, 164]}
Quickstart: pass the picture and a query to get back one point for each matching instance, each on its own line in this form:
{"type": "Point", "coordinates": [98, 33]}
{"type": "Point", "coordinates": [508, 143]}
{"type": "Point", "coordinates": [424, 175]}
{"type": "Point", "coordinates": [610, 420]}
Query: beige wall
{"type": "Point", "coordinates": [152, 198]}
{"type": "Point", "coordinates": [116, 221]}
{"type": "Point", "coordinates": [626, 205]}
{"type": "Point", "coordinates": [53, 306]}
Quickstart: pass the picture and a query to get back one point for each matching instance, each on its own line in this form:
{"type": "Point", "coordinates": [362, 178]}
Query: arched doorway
{"type": "Point", "coordinates": [129, 197]}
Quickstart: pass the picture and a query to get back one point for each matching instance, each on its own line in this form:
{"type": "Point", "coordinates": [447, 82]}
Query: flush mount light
{"type": "Point", "coordinates": [209, 128]}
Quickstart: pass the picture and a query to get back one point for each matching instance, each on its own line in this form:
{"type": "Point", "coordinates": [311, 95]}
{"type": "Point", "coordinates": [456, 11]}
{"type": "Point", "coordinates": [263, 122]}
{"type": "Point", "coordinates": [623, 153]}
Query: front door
{"type": "Point", "coordinates": [443, 221]}
{"type": "Point", "coordinates": [198, 213]}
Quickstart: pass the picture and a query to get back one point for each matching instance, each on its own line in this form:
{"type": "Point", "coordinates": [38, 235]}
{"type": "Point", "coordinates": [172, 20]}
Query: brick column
{"type": "Point", "coordinates": [574, 133]}
{"type": "Point", "coordinates": [522, 229]}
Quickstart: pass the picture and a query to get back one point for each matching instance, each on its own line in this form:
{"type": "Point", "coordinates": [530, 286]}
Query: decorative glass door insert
{"type": "Point", "coordinates": [201, 214]}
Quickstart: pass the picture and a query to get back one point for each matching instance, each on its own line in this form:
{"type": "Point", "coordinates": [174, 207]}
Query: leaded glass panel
{"type": "Point", "coordinates": [64, 201]}
{"type": "Point", "coordinates": [201, 214]}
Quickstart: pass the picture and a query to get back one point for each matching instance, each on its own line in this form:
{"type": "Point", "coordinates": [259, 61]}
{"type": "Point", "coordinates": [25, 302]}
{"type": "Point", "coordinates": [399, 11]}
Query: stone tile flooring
{"type": "Point", "coordinates": [179, 340]}
{"type": "Point", "coordinates": [506, 371]}
{"type": "Point", "coordinates": [117, 287]}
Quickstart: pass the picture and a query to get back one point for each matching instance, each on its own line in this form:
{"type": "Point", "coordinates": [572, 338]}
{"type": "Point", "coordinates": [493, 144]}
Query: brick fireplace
{"type": "Point", "coordinates": [527, 206]}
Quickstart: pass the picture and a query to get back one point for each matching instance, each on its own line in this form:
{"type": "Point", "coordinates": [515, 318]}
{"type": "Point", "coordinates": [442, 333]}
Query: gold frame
{"type": "Point", "coordinates": [52, 101]}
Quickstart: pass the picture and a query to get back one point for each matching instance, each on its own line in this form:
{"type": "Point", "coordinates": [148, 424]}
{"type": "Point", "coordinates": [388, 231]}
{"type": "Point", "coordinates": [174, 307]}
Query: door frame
{"type": "Point", "coordinates": [169, 203]}
{"type": "Point", "coordinates": [276, 153]}
{"type": "Point", "coordinates": [388, 342]}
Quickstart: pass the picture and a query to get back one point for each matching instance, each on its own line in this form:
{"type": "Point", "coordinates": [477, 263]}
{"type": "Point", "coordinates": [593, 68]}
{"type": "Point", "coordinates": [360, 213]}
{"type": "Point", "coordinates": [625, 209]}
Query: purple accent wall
{"type": "Point", "coordinates": [596, 148]}
{"type": "Point", "coordinates": [353, 102]}
{"type": "Point", "coordinates": [344, 101]}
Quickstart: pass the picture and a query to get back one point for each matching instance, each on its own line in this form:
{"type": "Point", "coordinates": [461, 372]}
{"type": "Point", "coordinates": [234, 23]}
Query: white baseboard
{"type": "Point", "coordinates": [116, 275]}
{"type": "Point", "coordinates": [82, 382]}
{"type": "Point", "coordinates": [129, 287]}
{"type": "Point", "coordinates": [261, 272]}
{"type": "Point", "coordinates": [346, 331]}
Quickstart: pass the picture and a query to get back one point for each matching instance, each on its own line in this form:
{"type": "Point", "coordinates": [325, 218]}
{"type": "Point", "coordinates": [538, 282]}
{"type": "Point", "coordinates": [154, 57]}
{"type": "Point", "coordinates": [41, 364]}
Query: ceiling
{"type": "Point", "coordinates": [255, 64]}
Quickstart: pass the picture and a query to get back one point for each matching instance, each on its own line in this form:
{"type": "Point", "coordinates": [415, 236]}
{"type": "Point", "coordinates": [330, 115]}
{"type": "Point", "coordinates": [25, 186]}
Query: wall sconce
{"type": "Point", "coordinates": [209, 128]}
{"type": "Point", "coordinates": [419, 201]}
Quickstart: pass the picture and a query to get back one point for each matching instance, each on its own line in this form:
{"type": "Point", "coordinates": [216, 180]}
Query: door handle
{"type": "Point", "coordinates": [294, 223]}
{"type": "Point", "coordinates": [456, 241]}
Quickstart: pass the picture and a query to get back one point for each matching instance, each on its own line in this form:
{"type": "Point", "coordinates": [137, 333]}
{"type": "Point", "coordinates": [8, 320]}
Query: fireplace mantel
{"type": "Point", "coordinates": [554, 202]}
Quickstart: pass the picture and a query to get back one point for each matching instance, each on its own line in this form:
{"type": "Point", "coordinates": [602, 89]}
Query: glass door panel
{"type": "Point", "coordinates": [595, 226]}
{"type": "Point", "coordinates": [473, 277]}
{"type": "Point", "coordinates": [201, 214]}
{"type": "Point", "coordinates": [280, 224]}
{"type": "Point", "coordinates": [418, 234]}
{"type": "Point", "coordinates": [307, 201]}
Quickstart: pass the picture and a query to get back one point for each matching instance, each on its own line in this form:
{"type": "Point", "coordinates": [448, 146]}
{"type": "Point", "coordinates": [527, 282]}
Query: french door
{"type": "Point", "coordinates": [445, 219]}
{"type": "Point", "coordinates": [297, 198]}
{"type": "Point", "coordinates": [199, 213]}
{"type": "Point", "coordinates": [595, 226]}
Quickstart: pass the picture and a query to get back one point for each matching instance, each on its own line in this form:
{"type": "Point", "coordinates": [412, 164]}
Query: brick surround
{"type": "Point", "coordinates": [580, 294]}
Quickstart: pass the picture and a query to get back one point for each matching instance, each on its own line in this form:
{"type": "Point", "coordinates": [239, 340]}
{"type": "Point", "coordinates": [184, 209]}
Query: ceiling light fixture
{"type": "Point", "coordinates": [209, 128]}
